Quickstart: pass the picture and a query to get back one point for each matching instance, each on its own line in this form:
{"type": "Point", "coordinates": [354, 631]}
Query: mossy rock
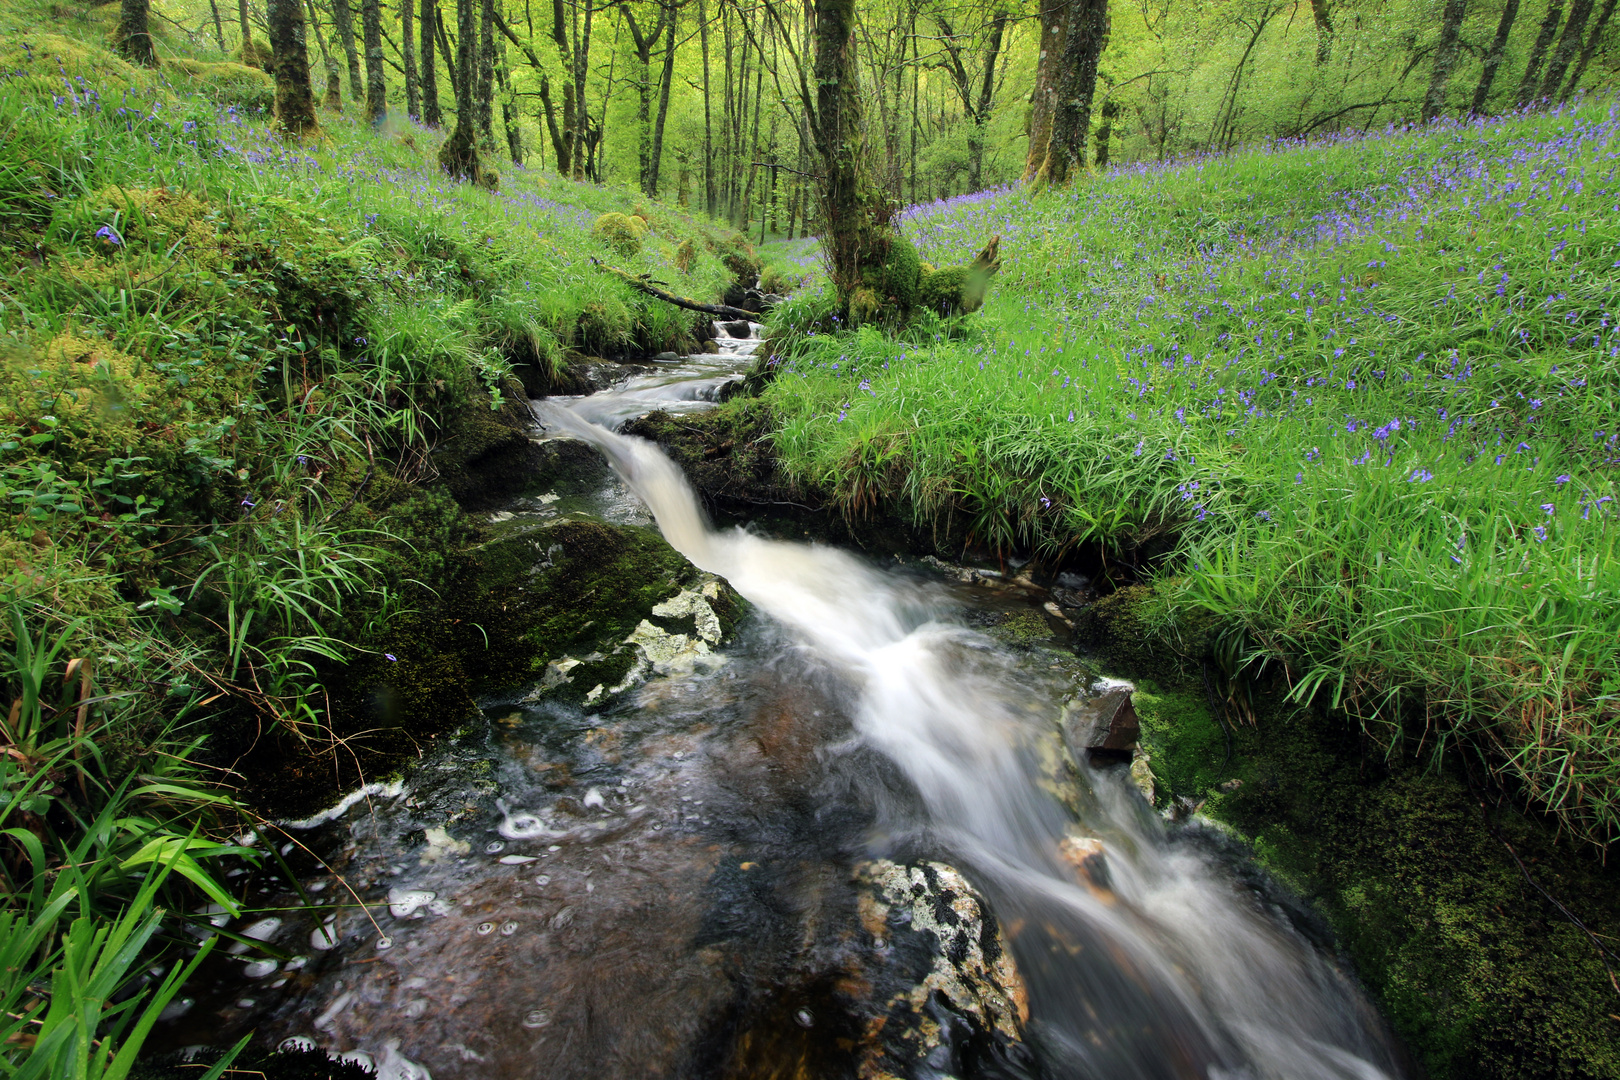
{"type": "Point", "coordinates": [622, 233]}
{"type": "Point", "coordinates": [604, 326]}
{"type": "Point", "coordinates": [780, 282]}
{"type": "Point", "coordinates": [1115, 628]}
{"type": "Point", "coordinates": [685, 256]}
{"type": "Point", "coordinates": [895, 280]}
{"type": "Point", "coordinates": [942, 291]}
{"type": "Point", "coordinates": [740, 258]}
{"type": "Point", "coordinates": [36, 63]}
{"type": "Point", "coordinates": [227, 82]}
{"type": "Point", "coordinates": [485, 455]}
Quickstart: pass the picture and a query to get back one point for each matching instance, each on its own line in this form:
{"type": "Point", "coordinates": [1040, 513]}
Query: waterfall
{"type": "Point", "coordinates": [1173, 969]}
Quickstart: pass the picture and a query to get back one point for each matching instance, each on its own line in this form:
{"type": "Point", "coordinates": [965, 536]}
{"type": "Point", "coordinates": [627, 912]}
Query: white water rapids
{"type": "Point", "coordinates": [1177, 970]}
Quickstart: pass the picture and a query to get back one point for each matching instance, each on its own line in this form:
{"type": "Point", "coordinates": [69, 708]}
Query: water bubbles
{"type": "Point", "coordinates": [384, 943]}
{"type": "Point", "coordinates": [259, 969]}
{"type": "Point", "coordinates": [554, 847]}
{"type": "Point", "coordinates": [494, 847]}
{"type": "Point", "coordinates": [516, 860]}
{"type": "Point", "coordinates": [805, 1018]}
{"type": "Point", "coordinates": [296, 1044]}
{"type": "Point", "coordinates": [879, 943]}
{"type": "Point", "coordinates": [543, 879]}
{"type": "Point", "coordinates": [593, 798]}
{"type": "Point", "coordinates": [414, 1008]}
{"type": "Point", "coordinates": [508, 929]}
{"type": "Point", "coordinates": [323, 938]}
{"type": "Point", "coordinates": [297, 963]}
{"type": "Point", "coordinates": [519, 825]}
{"type": "Point", "coordinates": [439, 907]}
{"type": "Point", "coordinates": [402, 903]}
{"type": "Point", "coordinates": [537, 1018]}
{"type": "Point", "coordinates": [177, 1008]}
{"type": "Point", "coordinates": [485, 929]}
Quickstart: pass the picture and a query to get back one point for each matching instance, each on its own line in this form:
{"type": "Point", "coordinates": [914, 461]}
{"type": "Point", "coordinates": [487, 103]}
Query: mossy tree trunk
{"type": "Point", "coordinates": [484, 87]}
{"type": "Point", "coordinates": [344, 16]}
{"type": "Point", "coordinates": [334, 75]}
{"type": "Point", "coordinates": [1445, 57]}
{"type": "Point", "coordinates": [219, 24]}
{"type": "Point", "coordinates": [663, 99]}
{"type": "Point", "coordinates": [1494, 57]}
{"type": "Point", "coordinates": [1073, 82]}
{"type": "Point", "coordinates": [1568, 47]}
{"type": "Point", "coordinates": [407, 44]}
{"type": "Point", "coordinates": [295, 101]}
{"type": "Point", "coordinates": [134, 37]}
{"type": "Point", "coordinates": [1592, 41]}
{"type": "Point", "coordinates": [459, 155]}
{"type": "Point", "coordinates": [1538, 51]}
{"type": "Point", "coordinates": [430, 75]}
{"type": "Point", "coordinates": [1043, 103]}
{"type": "Point", "coordinates": [376, 80]}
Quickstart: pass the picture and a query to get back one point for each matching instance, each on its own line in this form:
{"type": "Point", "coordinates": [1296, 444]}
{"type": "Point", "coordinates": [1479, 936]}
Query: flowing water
{"type": "Point", "coordinates": [664, 889]}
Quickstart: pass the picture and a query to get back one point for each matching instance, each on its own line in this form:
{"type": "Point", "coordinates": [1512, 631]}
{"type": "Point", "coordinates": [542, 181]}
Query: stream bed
{"type": "Point", "coordinates": [861, 836]}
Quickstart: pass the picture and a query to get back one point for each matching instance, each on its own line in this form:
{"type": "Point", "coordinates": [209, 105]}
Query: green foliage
{"type": "Point", "coordinates": [621, 232]}
{"type": "Point", "coordinates": [1359, 397]}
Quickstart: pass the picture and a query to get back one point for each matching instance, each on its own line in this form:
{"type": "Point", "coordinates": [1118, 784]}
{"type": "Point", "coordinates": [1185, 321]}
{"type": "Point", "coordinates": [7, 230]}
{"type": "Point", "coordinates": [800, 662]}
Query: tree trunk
{"type": "Point", "coordinates": [1538, 52]}
{"type": "Point", "coordinates": [1075, 81]}
{"type": "Point", "coordinates": [295, 101]}
{"type": "Point", "coordinates": [459, 155]}
{"type": "Point", "coordinates": [578, 137]}
{"type": "Point", "coordinates": [1590, 50]}
{"type": "Point", "coordinates": [663, 101]}
{"type": "Point", "coordinates": [251, 54]}
{"type": "Point", "coordinates": [1043, 103]}
{"type": "Point", "coordinates": [452, 56]}
{"type": "Point", "coordinates": [484, 88]}
{"type": "Point", "coordinates": [1568, 47]}
{"type": "Point", "coordinates": [1445, 58]}
{"type": "Point", "coordinates": [219, 24]}
{"type": "Point", "coordinates": [429, 17]}
{"type": "Point", "coordinates": [708, 122]}
{"type": "Point", "coordinates": [376, 84]}
{"type": "Point", "coordinates": [1493, 58]}
{"type": "Point", "coordinates": [133, 38]}
{"type": "Point", "coordinates": [407, 44]}
{"type": "Point", "coordinates": [981, 112]}
{"type": "Point", "coordinates": [334, 79]}
{"type": "Point", "coordinates": [344, 16]}
{"type": "Point", "coordinates": [1324, 31]}
{"type": "Point", "coordinates": [1105, 131]}
{"type": "Point", "coordinates": [514, 138]}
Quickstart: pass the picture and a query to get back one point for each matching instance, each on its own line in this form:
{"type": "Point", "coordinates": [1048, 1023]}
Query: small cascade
{"type": "Point", "coordinates": [681, 385]}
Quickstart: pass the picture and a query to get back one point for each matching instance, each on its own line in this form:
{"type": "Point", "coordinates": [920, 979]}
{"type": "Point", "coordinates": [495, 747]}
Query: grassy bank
{"type": "Point", "coordinates": [243, 384]}
{"type": "Point", "coordinates": [1356, 399]}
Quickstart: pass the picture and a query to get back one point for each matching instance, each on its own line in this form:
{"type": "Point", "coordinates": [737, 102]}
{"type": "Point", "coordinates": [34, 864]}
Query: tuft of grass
{"type": "Point", "coordinates": [1356, 397]}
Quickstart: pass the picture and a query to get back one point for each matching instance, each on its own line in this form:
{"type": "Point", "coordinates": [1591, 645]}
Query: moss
{"type": "Point", "coordinates": [740, 258]}
{"type": "Point", "coordinates": [901, 271]}
{"type": "Point", "coordinates": [227, 82]}
{"type": "Point", "coordinates": [685, 256]}
{"type": "Point", "coordinates": [1119, 628]}
{"type": "Point", "coordinates": [1477, 971]}
{"type": "Point", "coordinates": [620, 232]}
{"type": "Point", "coordinates": [36, 64]}
{"type": "Point", "coordinates": [484, 454]}
{"type": "Point", "coordinates": [780, 282]}
{"type": "Point", "coordinates": [604, 325]}
{"type": "Point", "coordinates": [941, 290]}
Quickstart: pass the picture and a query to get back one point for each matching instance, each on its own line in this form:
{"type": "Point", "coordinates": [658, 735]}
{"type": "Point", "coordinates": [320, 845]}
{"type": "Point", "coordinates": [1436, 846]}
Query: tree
{"type": "Point", "coordinates": [1591, 48]}
{"type": "Point", "coordinates": [1324, 31]}
{"type": "Point", "coordinates": [334, 77]}
{"type": "Point", "coordinates": [484, 87]}
{"type": "Point", "coordinates": [1544, 37]}
{"type": "Point", "coordinates": [219, 24]}
{"type": "Point", "coordinates": [1445, 58]}
{"type": "Point", "coordinates": [407, 44]}
{"type": "Point", "coordinates": [644, 43]}
{"type": "Point", "coordinates": [663, 98]}
{"type": "Point", "coordinates": [250, 54]}
{"type": "Point", "coordinates": [1493, 58]}
{"type": "Point", "coordinates": [133, 38]}
{"type": "Point", "coordinates": [459, 155]}
{"type": "Point", "coordinates": [295, 101]}
{"type": "Point", "coordinates": [430, 78]}
{"type": "Point", "coordinates": [1071, 85]}
{"type": "Point", "coordinates": [376, 83]}
{"type": "Point", "coordinates": [976, 106]}
{"type": "Point", "coordinates": [1568, 46]}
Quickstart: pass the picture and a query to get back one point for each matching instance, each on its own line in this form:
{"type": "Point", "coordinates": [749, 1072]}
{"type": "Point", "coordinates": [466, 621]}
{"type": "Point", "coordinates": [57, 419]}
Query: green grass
{"type": "Point", "coordinates": [1358, 400]}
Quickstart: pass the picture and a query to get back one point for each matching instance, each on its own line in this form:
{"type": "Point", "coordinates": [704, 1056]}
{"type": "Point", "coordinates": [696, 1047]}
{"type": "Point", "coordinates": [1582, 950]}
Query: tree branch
{"type": "Point", "coordinates": [725, 311]}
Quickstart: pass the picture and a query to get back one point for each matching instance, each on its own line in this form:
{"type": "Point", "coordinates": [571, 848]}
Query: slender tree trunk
{"type": "Point", "coordinates": [430, 77]}
{"type": "Point", "coordinates": [916, 65]}
{"type": "Point", "coordinates": [413, 102]}
{"type": "Point", "coordinates": [219, 24]}
{"type": "Point", "coordinates": [485, 86]}
{"type": "Point", "coordinates": [295, 101]}
{"type": "Point", "coordinates": [1591, 48]}
{"type": "Point", "coordinates": [514, 137]}
{"type": "Point", "coordinates": [1055, 18]}
{"type": "Point", "coordinates": [451, 54]}
{"type": "Point", "coordinates": [582, 52]}
{"type": "Point", "coordinates": [745, 207]}
{"type": "Point", "coordinates": [663, 101]}
{"type": "Point", "coordinates": [1493, 58]}
{"type": "Point", "coordinates": [344, 16]}
{"type": "Point", "coordinates": [334, 77]}
{"type": "Point", "coordinates": [708, 121]}
{"type": "Point", "coordinates": [857, 217]}
{"type": "Point", "coordinates": [1538, 52]}
{"type": "Point", "coordinates": [1105, 131]}
{"type": "Point", "coordinates": [252, 54]}
{"type": "Point", "coordinates": [459, 155]}
{"type": "Point", "coordinates": [376, 82]}
{"type": "Point", "coordinates": [133, 36]}
{"type": "Point", "coordinates": [1086, 38]}
{"type": "Point", "coordinates": [1445, 58]}
{"type": "Point", "coordinates": [1324, 31]}
{"type": "Point", "coordinates": [980, 116]}
{"type": "Point", "coordinates": [1568, 48]}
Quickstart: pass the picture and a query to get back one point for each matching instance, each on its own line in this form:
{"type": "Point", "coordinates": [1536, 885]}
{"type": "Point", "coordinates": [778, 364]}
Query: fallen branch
{"type": "Point", "coordinates": [725, 311]}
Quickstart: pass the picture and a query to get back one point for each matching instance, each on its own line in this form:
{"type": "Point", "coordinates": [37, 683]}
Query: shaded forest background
{"type": "Point", "coordinates": [695, 100]}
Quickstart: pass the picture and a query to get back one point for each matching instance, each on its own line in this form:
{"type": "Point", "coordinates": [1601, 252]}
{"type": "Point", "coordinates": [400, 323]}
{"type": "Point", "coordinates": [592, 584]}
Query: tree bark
{"type": "Point", "coordinates": [514, 137]}
{"type": "Point", "coordinates": [376, 82]}
{"type": "Point", "coordinates": [334, 78]}
{"type": "Point", "coordinates": [1568, 48]}
{"type": "Point", "coordinates": [1493, 58]}
{"type": "Point", "coordinates": [459, 155]}
{"type": "Point", "coordinates": [668, 77]}
{"type": "Point", "coordinates": [1105, 131]}
{"type": "Point", "coordinates": [251, 54]}
{"type": "Point", "coordinates": [1591, 49]}
{"type": "Point", "coordinates": [484, 88]}
{"type": "Point", "coordinates": [295, 100]}
{"type": "Point", "coordinates": [343, 14]}
{"type": "Point", "coordinates": [133, 37]}
{"type": "Point", "coordinates": [1538, 52]}
{"type": "Point", "coordinates": [1076, 81]}
{"type": "Point", "coordinates": [1445, 58]}
{"type": "Point", "coordinates": [219, 24]}
{"type": "Point", "coordinates": [578, 137]}
{"type": "Point", "coordinates": [407, 43]}
{"type": "Point", "coordinates": [452, 57]}
{"type": "Point", "coordinates": [1043, 103]}
{"type": "Point", "coordinates": [429, 17]}
{"type": "Point", "coordinates": [644, 45]}
{"type": "Point", "coordinates": [708, 122]}
{"type": "Point", "coordinates": [1324, 31]}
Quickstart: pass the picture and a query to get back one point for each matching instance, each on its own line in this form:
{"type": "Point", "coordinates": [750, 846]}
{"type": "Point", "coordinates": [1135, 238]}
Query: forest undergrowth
{"type": "Point", "coordinates": [1353, 402]}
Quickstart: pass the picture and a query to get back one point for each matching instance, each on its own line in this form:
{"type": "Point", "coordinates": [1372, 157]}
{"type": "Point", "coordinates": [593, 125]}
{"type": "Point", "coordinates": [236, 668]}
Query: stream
{"type": "Point", "coordinates": [780, 858]}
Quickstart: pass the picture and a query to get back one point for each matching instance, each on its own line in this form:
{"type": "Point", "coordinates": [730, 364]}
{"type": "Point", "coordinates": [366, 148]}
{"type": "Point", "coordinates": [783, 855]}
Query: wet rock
{"type": "Point", "coordinates": [946, 994]}
{"type": "Point", "coordinates": [738, 329]}
{"type": "Point", "coordinates": [667, 357]}
{"type": "Point", "coordinates": [484, 456]}
{"type": "Point", "coordinates": [1102, 725]}
{"type": "Point", "coordinates": [711, 347]}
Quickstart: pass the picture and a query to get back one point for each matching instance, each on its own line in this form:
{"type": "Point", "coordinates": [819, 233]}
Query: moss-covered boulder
{"type": "Point", "coordinates": [622, 233]}
{"type": "Point", "coordinates": [484, 455]}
